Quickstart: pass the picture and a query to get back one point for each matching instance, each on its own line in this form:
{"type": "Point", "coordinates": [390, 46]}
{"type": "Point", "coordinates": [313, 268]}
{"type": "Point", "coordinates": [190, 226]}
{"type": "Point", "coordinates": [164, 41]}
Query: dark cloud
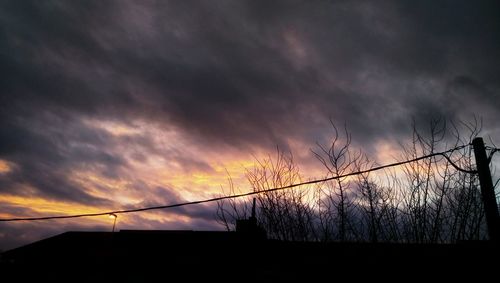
{"type": "Point", "coordinates": [230, 74]}
{"type": "Point", "coordinates": [239, 72]}
{"type": "Point", "coordinates": [45, 149]}
{"type": "Point", "coordinates": [161, 196]}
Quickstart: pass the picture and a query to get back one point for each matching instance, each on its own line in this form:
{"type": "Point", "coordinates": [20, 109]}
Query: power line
{"type": "Point", "coordinates": [115, 212]}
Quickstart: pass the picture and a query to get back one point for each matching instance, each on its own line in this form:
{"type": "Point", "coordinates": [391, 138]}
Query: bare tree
{"type": "Point", "coordinates": [374, 202]}
{"type": "Point", "coordinates": [230, 210]}
{"type": "Point", "coordinates": [335, 201]}
{"type": "Point", "coordinates": [431, 200]}
{"type": "Point", "coordinates": [464, 200]}
{"type": "Point", "coordinates": [284, 214]}
{"type": "Point", "coordinates": [440, 202]}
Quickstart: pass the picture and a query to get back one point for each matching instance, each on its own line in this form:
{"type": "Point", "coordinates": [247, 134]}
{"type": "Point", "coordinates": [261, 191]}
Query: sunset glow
{"type": "Point", "coordinates": [36, 206]}
{"type": "Point", "coordinates": [4, 167]}
{"type": "Point", "coordinates": [113, 105]}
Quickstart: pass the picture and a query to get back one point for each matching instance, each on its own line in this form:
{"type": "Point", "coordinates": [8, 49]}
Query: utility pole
{"type": "Point", "coordinates": [487, 190]}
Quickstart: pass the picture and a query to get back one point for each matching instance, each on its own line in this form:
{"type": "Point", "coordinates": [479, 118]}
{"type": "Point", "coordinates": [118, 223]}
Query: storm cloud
{"type": "Point", "coordinates": [218, 77]}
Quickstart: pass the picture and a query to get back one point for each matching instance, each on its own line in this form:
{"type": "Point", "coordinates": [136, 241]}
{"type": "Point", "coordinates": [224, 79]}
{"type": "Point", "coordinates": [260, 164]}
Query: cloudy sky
{"type": "Point", "coordinates": [119, 104]}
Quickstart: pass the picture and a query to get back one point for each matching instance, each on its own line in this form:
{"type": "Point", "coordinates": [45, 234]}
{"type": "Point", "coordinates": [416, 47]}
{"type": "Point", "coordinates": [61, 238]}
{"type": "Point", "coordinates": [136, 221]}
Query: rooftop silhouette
{"type": "Point", "coordinates": [143, 255]}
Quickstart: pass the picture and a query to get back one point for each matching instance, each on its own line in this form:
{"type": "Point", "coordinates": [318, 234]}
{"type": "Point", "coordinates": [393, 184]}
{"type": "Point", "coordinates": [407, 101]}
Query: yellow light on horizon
{"type": "Point", "coordinates": [47, 206]}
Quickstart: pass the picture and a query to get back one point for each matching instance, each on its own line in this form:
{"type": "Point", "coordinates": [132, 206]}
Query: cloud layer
{"type": "Point", "coordinates": [110, 103]}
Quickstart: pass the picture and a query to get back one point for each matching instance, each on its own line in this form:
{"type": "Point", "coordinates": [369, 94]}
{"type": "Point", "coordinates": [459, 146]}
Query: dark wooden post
{"type": "Point", "coordinates": [487, 190]}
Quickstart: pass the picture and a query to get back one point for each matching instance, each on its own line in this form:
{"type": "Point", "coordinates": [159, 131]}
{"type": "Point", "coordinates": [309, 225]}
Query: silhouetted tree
{"type": "Point", "coordinates": [335, 204]}
{"type": "Point", "coordinates": [228, 211]}
{"type": "Point", "coordinates": [440, 202]}
{"type": "Point", "coordinates": [284, 214]}
{"type": "Point", "coordinates": [432, 200]}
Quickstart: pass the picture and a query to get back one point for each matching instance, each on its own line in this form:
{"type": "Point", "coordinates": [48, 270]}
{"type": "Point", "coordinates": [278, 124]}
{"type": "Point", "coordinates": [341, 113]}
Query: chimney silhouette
{"type": "Point", "coordinates": [248, 228]}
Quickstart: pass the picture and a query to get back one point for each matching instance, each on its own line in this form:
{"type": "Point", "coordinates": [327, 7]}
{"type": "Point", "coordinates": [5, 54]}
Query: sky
{"type": "Point", "coordinates": [123, 104]}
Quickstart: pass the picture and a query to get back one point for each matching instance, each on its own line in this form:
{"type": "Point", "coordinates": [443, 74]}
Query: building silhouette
{"type": "Point", "coordinates": [244, 255]}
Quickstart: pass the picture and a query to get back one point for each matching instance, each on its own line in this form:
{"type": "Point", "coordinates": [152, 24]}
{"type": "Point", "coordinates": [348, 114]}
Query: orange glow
{"type": "Point", "coordinates": [115, 128]}
{"type": "Point", "coordinates": [387, 152]}
{"type": "Point", "coordinates": [159, 173]}
{"type": "Point", "coordinates": [98, 186]}
{"type": "Point", "coordinates": [5, 166]}
{"type": "Point", "coordinates": [197, 184]}
{"type": "Point", "coordinates": [46, 206]}
{"type": "Point", "coordinates": [176, 167]}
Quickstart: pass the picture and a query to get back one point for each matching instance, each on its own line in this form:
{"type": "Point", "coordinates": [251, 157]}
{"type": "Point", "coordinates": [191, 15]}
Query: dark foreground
{"type": "Point", "coordinates": [163, 256]}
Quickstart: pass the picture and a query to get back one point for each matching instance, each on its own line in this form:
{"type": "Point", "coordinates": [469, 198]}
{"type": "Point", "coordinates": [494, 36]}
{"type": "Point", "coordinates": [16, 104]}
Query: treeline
{"type": "Point", "coordinates": [426, 201]}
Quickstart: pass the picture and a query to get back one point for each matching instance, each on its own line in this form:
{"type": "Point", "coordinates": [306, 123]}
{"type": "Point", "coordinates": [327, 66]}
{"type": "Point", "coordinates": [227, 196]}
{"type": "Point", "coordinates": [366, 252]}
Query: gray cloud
{"type": "Point", "coordinates": [228, 72]}
{"type": "Point", "coordinates": [45, 149]}
{"type": "Point", "coordinates": [237, 74]}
